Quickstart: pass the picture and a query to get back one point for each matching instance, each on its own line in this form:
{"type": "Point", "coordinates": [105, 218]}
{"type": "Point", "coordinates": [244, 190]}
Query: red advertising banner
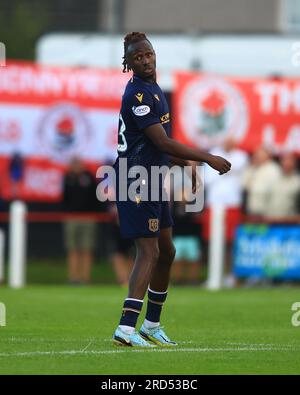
{"type": "Point", "coordinates": [49, 115]}
{"type": "Point", "coordinates": [208, 108]}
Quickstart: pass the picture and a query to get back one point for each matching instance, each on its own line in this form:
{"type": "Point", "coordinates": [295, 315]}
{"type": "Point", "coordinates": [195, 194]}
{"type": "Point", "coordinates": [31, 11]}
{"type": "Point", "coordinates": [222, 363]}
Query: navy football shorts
{"type": "Point", "coordinates": [143, 219]}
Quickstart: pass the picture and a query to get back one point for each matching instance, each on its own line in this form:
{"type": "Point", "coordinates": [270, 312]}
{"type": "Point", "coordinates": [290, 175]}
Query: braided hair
{"type": "Point", "coordinates": [131, 38]}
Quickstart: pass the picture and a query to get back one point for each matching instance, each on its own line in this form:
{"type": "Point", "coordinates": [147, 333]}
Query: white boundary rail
{"type": "Point", "coordinates": [17, 244]}
{"type": "Point", "coordinates": [216, 248]}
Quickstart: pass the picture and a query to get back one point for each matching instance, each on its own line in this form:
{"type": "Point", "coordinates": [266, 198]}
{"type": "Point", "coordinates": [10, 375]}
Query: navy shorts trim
{"type": "Point", "coordinates": [144, 219]}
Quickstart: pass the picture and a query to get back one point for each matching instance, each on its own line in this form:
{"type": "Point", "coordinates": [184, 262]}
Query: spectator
{"type": "Point", "coordinates": [123, 251]}
{"type": "Point", "coordinates": [283, 200]}
{"type": "Point", "coordinates": [186, 238]}
{"type": "Point", "coordinates": [258, 182]}
{"type": "Point", "coordinates": [16, 173]}
{"type": "Point", "coordinates": [122, 258]}
{"type": "Point", "coordinates": [226, 190]}
{"type": "Point", "coordinates": [79, 196]}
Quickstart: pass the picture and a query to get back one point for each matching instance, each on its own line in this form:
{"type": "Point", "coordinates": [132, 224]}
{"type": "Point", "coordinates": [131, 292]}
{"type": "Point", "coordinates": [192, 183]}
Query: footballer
{"type": "Point", "coordinates": [144, 139]}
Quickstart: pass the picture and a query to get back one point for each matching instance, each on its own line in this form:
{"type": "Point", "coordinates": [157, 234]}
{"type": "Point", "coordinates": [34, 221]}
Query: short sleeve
{"type": "Point", "coordinates": [143, 109]}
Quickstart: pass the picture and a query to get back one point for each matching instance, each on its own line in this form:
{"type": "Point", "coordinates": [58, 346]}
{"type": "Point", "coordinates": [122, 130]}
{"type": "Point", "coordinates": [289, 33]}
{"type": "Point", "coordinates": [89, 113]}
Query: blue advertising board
{"type": "Point", "coordinates": [267, 251]}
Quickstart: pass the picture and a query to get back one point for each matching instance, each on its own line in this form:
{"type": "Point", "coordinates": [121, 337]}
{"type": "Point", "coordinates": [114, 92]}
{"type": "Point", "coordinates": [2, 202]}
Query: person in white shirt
{"type": "Point", "coordinates": [259, 180]}
{"type": "Point", "coordinates": [284, 193]}
{"type": "Point", "coordinates": [226, 191]}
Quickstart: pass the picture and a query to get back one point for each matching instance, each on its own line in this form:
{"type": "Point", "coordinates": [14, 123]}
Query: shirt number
{"type": "Point", "coordinates": [122, 143]}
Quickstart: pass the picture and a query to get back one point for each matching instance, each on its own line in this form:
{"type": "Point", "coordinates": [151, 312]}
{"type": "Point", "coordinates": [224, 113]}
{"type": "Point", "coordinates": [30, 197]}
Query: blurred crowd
{"type": "Point", "coordinates": [262, 186]}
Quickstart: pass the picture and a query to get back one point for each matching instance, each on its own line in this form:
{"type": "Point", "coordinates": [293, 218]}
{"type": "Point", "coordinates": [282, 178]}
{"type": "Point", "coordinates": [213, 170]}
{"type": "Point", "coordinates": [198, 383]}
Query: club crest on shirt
{"type": "Point", "coordinates": [157, 97]}
{"type": "Point", "coordinates": [139, 96]}
{"type": "Point", "coordinates": [153, 224]}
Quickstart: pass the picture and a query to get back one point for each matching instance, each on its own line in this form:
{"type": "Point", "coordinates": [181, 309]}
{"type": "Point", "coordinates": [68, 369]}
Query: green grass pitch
{"type": "Point", "coordinates": [67, 330]}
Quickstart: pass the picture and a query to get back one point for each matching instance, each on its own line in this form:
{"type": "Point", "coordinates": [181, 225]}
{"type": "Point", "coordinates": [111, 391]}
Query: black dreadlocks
{"type": "Point", "coordinates": [131, 38]}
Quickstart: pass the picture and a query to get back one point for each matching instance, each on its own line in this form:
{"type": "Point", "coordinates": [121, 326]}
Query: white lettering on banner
{"type": "Point", "coordinates": [54, 113]}
{"type": "Point", "coordinates": [10, 131]}
{"type": "Point", "coordinates": [285, 97]}
{"type": "Point", "coordinates": [22, 128]}
{"type": "Point", "coordinates": [289, 99]}
{"type": "Point", "coordinates": [291, 142]}
{"type": "Point", "coordinates": [252, 251]}
{"type": "Point", "coordinates": [266, 94]}
{"type": "Point", "coordinates": [73, 83]}
{"type": "Point", "coordinates": [293, 139]}
{"type": "Point", "coordinates": [43, 181]}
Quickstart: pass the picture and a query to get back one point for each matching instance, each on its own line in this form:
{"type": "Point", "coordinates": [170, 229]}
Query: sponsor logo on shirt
{"type": "Point", "coordinates": [141, 110]}
{"type": "Point", "coordinates": [165, 118]}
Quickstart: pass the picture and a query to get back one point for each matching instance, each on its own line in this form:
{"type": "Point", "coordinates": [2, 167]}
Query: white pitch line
{"type": "Point", "coordinates": [263, 344]}
{"type": "Point", "coordinates": [109, 340]}
{"type": "Point", "coordinates": [161, 350]}
{"type": "Point", "coordinates": [47, 340]}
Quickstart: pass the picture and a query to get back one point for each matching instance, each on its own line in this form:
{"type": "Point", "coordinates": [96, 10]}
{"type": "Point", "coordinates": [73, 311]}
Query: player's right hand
{"type": "Point", "coordinates": [220, 164]}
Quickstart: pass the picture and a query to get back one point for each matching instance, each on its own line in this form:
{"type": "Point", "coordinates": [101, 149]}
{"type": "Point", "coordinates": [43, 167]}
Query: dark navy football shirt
{"type": "Point", "coordinates": [143, 104]}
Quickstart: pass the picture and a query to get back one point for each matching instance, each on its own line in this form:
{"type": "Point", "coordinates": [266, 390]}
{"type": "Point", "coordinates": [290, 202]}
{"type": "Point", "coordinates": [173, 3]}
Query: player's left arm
{"type": "Point", "coordinates": [179, 161]}
{"type": "Point", "coordinates": [182, 163]}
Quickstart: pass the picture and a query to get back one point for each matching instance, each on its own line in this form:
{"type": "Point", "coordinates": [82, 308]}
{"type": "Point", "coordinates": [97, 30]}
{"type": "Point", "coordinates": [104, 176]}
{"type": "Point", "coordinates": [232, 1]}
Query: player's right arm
{"type": "Point", "coordinates": [158, 136]}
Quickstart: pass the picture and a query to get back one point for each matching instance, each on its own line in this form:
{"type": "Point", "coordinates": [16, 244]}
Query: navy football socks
{"type": "Point", "coordinates": [155, 304]}
{"type": "Point", "coordinates": [131, 311]}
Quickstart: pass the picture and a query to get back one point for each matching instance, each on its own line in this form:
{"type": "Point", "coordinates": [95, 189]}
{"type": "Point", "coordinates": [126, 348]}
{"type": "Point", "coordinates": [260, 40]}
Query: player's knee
{"type": "Point", "coordinates": [149, 252]}
{"type": "Point", "coordinates": [155, 253]}
{"type": "Point", "coordinates": [168, 254]}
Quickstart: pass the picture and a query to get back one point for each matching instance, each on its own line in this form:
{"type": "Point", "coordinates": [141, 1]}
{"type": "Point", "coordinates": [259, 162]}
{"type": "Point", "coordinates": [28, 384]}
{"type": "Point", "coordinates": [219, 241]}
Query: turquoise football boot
{"type": "Point", "coordinates": [121, 338]}
{"type": "Point", "coordinates": [157, 336]}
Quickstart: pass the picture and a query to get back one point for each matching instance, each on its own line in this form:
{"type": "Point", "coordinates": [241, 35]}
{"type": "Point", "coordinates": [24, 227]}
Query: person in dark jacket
{"type": "Point", "coordinates": [79, 196]}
